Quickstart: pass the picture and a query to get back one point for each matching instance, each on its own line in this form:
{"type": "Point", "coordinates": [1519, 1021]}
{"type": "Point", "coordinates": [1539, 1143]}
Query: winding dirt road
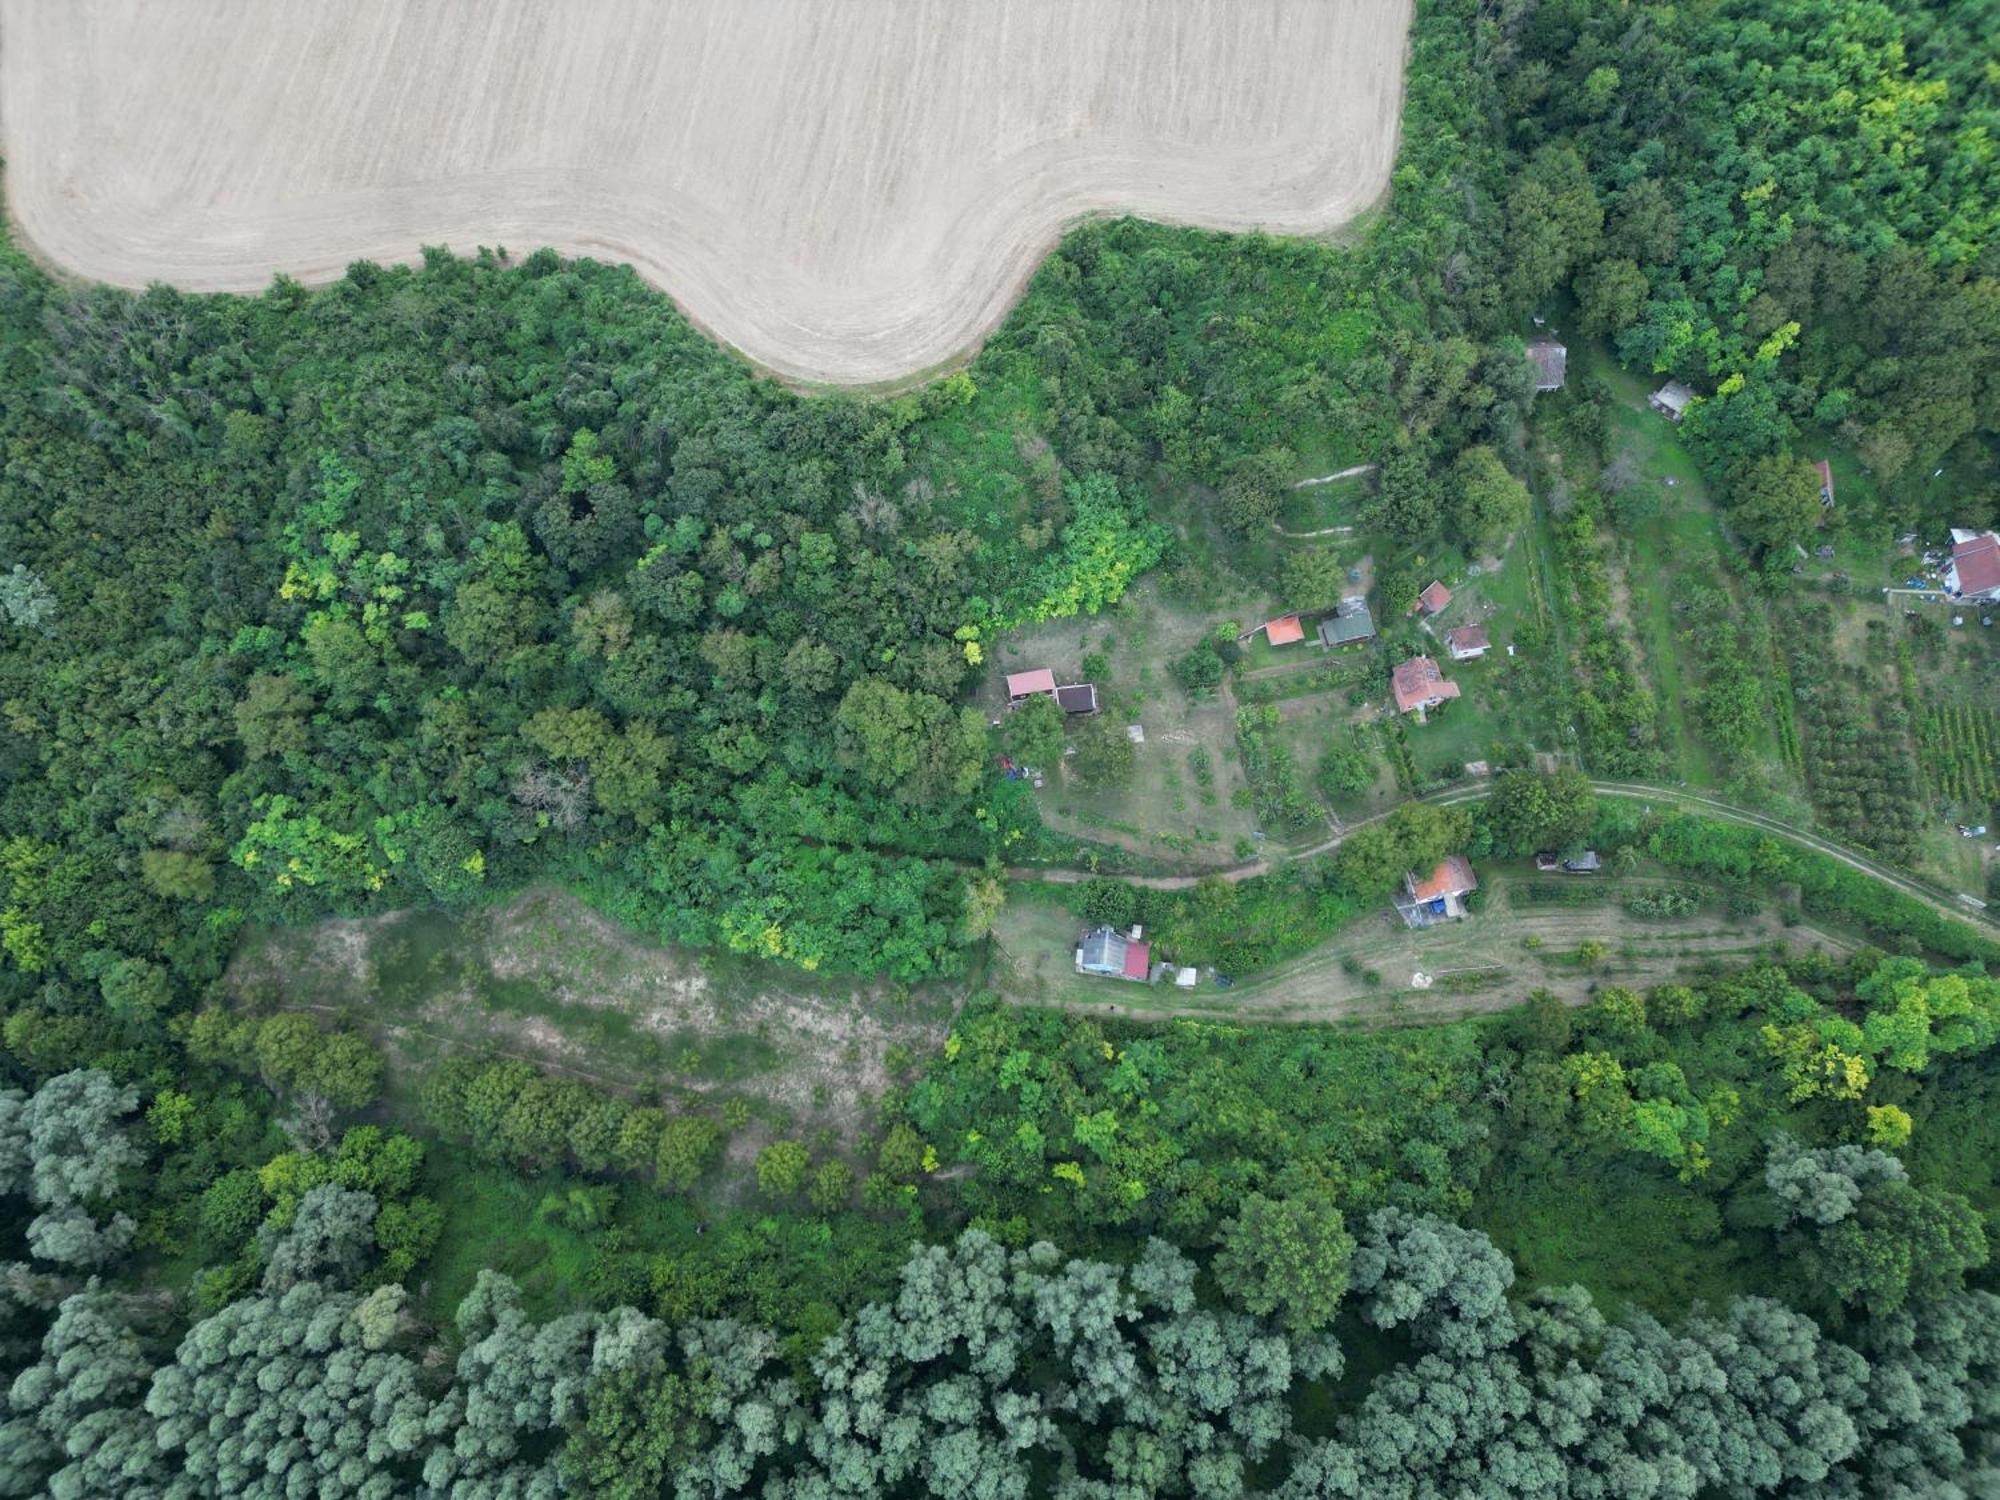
{"type": "Point", "coordinates": [1638, 791]}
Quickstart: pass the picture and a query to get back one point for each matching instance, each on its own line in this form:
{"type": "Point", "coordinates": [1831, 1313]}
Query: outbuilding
{"type": "Point", "coordinates": [1551, 361]}
{"type": "Point", "coordinates": [1467, 642]}
{"type": "Point", "coordinates": [1348, 625]}
{"type": "Point", "coordinates": [1671, 400]}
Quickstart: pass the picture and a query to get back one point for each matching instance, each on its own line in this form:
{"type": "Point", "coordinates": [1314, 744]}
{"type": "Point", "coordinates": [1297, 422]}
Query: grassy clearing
{"type": "Point", "coordinates": [1366, 973]}
{"type": "Point", "coordinates": [1166, 810]}
{"type": "Point", "coordinates": [1665, 528]}
{"type": "Point", "coordinates": [545, 979]}
{"type": "Point", "coordinates": [1324, 505]}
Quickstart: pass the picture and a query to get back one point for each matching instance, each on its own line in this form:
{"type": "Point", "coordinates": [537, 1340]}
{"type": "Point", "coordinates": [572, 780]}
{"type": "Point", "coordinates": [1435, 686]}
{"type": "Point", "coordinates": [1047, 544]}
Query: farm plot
{"type": "Point", "coordinates": [1960, 749]}
{"type": "Point", "coordinates": [850, 193]}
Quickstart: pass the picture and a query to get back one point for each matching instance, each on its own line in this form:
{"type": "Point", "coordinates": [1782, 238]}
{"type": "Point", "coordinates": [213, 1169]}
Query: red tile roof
{"type": "Point", "coordinates": [1452, 877]}
{"type": "Point", "coordinates": [1417, 682]}
{"type": "Point", "coordinates": [1825, 477]}
{"type": "Point", "coordinates": [1433, 599]}
{"type": "Point", "coordinates": [1977, 563]}
{"type": "Point", "coordinates": [1138, 960]}
{"type": "Point", "coordinates": [1467, 638]}
{"type": "Point", "coordinates": [1284, 632]}
{"type": "Point", "coordinates": [1026, 684]}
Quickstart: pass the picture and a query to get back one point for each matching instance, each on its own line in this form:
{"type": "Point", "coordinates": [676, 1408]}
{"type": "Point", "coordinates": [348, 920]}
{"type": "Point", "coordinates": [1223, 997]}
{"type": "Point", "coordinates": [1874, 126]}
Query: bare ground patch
{"type": "Point", "coordinates": [545, 979]}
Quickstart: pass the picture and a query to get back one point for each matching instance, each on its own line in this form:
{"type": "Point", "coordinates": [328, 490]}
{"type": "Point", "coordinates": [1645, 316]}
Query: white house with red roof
{"type": "Point", "coordinates": [1419, 684]}
{"type": "Point", "coordinates": [1468, 642]}
{"type": "Point", "coordinates": [1111, 954]}
{"type": "Point", "coordinates": [1973, 574]}
{"type": "Point", "coordinates": [1438, 896]}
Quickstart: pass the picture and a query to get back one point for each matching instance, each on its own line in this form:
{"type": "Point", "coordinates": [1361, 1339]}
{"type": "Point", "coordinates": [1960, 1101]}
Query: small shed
{"type": "Point", "coordinates": [1284, 631]}
{"type": "Point", "coordinates": [1433, 600]}
{"type": "Point", "coordinates": [1551, 361]}
{"type": "Point", "coordinates": [1022, 686]}
{"type": "Point", "coordinates": [1825, 482]}
{"type": "Point", "coordinates": [1671, 400]}
{"type": "Point", "coordinates": [1468, 642]}
{"type": "Point", "coordinates": [1078, 698]}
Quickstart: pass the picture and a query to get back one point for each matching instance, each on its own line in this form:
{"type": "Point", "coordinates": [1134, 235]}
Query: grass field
{"type": "Point", "coordinates": [1487, 962]}
{"type": "Point", "coordinates": [1166, 811]}
{"type": "Point", "coordinates": [545, 979]}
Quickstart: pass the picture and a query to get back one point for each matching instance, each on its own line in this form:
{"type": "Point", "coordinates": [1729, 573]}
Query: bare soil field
{"type": "Point", "coordinates": [849, 193]}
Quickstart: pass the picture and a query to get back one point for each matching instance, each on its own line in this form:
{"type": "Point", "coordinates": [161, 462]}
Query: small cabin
{"type": "Point", "coordinates": [1671, 400]}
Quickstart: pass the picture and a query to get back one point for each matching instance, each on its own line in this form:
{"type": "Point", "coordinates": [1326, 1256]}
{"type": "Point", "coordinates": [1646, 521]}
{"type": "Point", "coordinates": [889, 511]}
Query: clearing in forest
{"type": "Point", "coordinates": [1486, 963]}
{"type": "Point", "coordinates": [547, 980]}
{"type": "Point", "coordinates": [848, 193]}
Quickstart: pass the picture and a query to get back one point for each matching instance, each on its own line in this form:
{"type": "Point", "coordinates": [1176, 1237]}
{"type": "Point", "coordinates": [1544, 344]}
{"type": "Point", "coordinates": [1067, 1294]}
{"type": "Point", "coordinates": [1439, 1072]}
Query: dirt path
{"type": "Point", "coordinates": [1355, 472]}
{"type": "Point", "coordinates": [1680, 797]}
{"type": "Point", "coordinates": [850, 193]}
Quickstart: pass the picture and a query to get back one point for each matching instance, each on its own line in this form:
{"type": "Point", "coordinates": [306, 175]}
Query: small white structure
{"type": "Point", "coordinates": [1468, 642]}
{"type": "Point", "coordinates": [1187, 978]}
{"type": "Point", "coordinates": [1671, 400]}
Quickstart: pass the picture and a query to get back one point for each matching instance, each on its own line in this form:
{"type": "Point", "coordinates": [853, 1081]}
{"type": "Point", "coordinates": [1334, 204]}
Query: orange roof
{"type": "Point", "coordinates": [1434, 599]}
{"type": "Point", "coordinates": [1284, 632]}
{"type": "Point", "coordinates": [1026, 684]}
{"type": "Point", "coordinates": [1419, 681]}
{"type": "Point", "coordinates": [1452, 877]}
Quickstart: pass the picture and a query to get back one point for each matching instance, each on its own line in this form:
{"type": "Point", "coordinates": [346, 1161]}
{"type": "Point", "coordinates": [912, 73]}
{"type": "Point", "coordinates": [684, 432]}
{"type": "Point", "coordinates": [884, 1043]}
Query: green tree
{"type": "Point", "coordinates": [1105, 756]}
{"type": "Point", "coordinates": [1287, 1255]}
{"type": "Point", "coordinates": [1532, 810]}
{"type": "Point", "coordinates": [1900, 1242]}
{"type": "Point", "coordinates": [832, 1186]}
{"type": "Point", "coordinates": [1489, 504]}
{"type": "Point", "coordinates": [1774, 503]}
{"type": "Point", "coordinates": [1034, 732]}
{"type": "Point", "coordinates": [1611, 294]}
{"type": "Point", "coordinates": [781, 1168]}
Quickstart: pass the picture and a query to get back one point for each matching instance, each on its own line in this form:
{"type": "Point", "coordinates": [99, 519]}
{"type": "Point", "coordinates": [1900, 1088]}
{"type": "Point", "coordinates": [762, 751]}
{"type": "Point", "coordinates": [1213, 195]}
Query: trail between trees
{"type": "Point", "coordinates": [1358, 469]}
{"type": "Point", "coordinates": [1632, 790]}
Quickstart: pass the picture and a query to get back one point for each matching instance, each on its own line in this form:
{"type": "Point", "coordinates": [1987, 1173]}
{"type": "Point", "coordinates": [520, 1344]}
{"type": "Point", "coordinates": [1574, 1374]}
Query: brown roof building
{"type": "Point", "coordinates": [1468, 642]}
{"type": "Point", "coordinates": [1438, 896]}
{"type": "Point", "coordinates": [1974, 570]}
{"type": "Point", "coordinates": [1418, 684]}
{"type": "Point", "coordinates": [1432, 601]}
{"type": "Point", "coordinates": [1028, 684]}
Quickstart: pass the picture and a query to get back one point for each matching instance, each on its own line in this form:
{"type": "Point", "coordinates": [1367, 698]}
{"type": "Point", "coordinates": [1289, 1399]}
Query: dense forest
{"type": "Point", "coordinates": [450, 579]}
